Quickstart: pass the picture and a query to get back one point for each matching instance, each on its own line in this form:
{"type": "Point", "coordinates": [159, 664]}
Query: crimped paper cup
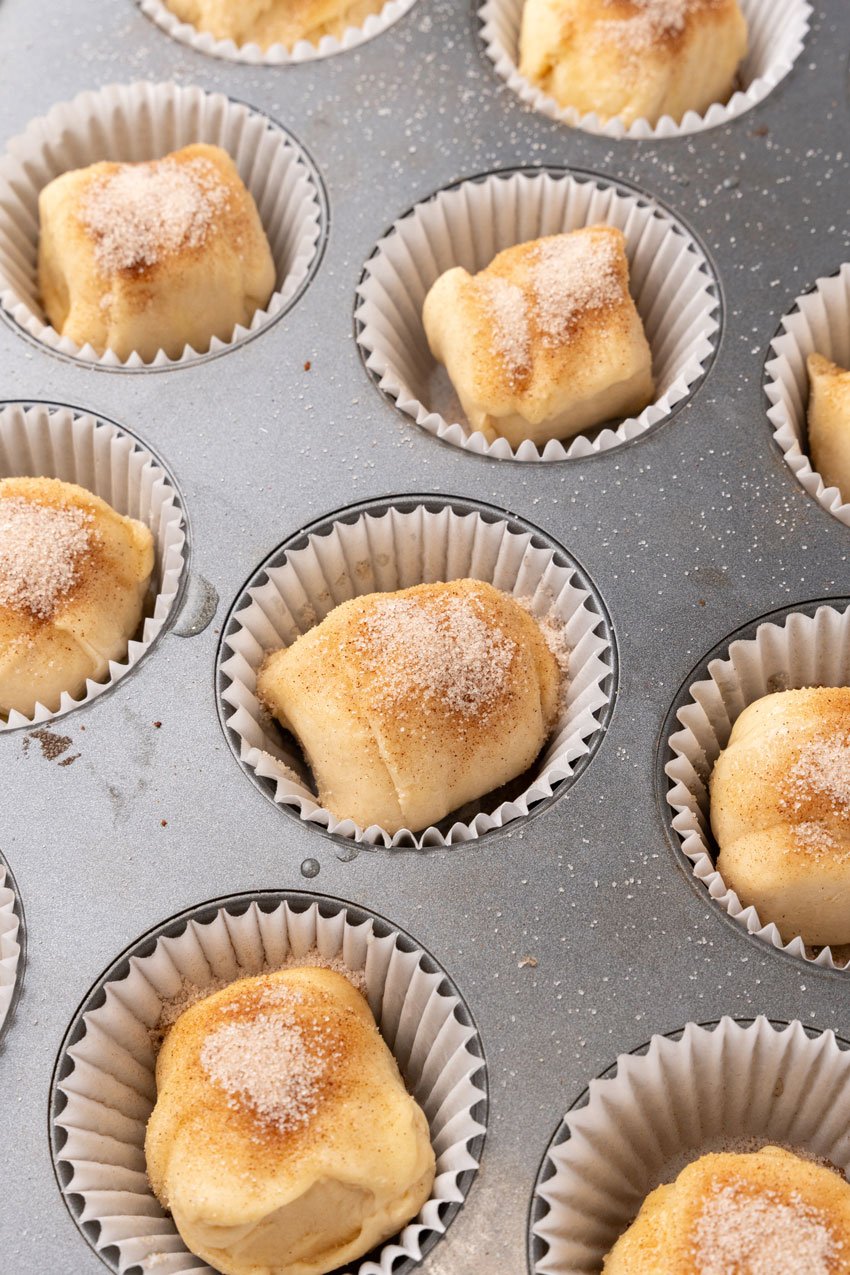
{"type": "Point", "coordinates": [391, 549]}
{"type": "Point", "coordinates": [805, 650]}
{"type": "Point", "coordinates": [777, 33]}
{"type": "Point", "coordinates": [725, 1086]}
{"type": "Point", "coordinates": [10, 948]}
{"type": "Point", "coordinates": [277, 54]}
{"type": "Point", "coordinates": [43, 441]}
{"type": "Point", "coordinates": [145, 121]}
{"type": "Point", "coordinates": [105, 1085]}
{"type": "Point", "coordinates": [819, 323]}
{"type": "Point", "coordinates": [467, 225]}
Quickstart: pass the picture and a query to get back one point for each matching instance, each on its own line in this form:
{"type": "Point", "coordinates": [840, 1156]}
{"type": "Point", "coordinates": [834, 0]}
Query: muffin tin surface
{"type": "Point", "coordinates": [572, 936]}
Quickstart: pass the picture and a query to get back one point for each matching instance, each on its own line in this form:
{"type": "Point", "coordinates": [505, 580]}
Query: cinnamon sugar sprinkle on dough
{"type": "Point", "coordinates": [190, 993]}
{"type": "Point", "coordinates": [40, 551]}
{"type": "Point", "coordinates": [569, 276]}
{"type": "Point", "coordinates": [763, 1234]}
{"type": "Point", "coordinates": [509, 317]}
{"type": "Point", "coordinates": [268, 1064]}
{"type": "Point", "coordinates": [652, 22]}
{"type": "Point", "coordinates": [442, 651]}
{"type": "Point", "coordinates": [822, 770]}
{"type": "Point", "coordinates": [141, 213]}
{"type": "Point", "coordinates": [573, 275]}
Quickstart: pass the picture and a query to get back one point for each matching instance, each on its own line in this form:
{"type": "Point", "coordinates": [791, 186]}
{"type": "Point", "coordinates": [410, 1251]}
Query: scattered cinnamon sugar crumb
{"type": "Point", "coordinates": [40, 551]}
{"type": "Point", "coordinates": [52, 745]}
{"type": "Point", "coordinates": [140, 213]}
{"type": "Point", "coordinates": [764, 1233]}
{"type": "Point", "coordinates": [307, 365]}
{"type": "Point", "coordinates": [443, 650]}
{"type": "Point", "coordinates": [554, 632]}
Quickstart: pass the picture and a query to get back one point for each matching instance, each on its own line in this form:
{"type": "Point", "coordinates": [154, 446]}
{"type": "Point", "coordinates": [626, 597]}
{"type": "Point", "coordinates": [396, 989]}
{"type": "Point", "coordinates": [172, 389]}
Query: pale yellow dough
{"type": "Point", "coordinates": [519, 374]}
{"type": "Point", "coordinates": [268, 22]}
{"type": "Point", "coordinates": [400, 743]}
{"type": "Point", "coordinates": [780, 812]}
{"type": "Point", "coordinates": [633, 59]}
{"type": "Point", "coordinates": [741, 1214]}
{"type": "Point", "coordinates": [42, 655]}
{"type": "Point", "coordinates": [253, 1198]}
{"type": "Point", "coordinates": [829, 422]}
{"type": "Point", "coordinates": [159, 294]}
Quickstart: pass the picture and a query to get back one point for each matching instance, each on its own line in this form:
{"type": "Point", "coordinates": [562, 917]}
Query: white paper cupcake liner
{"type": "Point", "coordinates": [777, 33]}
{"type": "Point", "coordinates": [803, 650]}
{"type": "Point", "coordinates": [145, 121]}
{"type": "Point", "coordinates": [10, 948]}
{"type": "Point", "coordinates": [395, 548]}
{"type": "Point", "coordinates": [105, 1087]}
{"type": "Point", "coordinates": [724, 1086]}
{"type": "Point", "coordinates": [44, 441]}
{"type": "Point", "coordinates": [819, 323]}
{"type": "Point", "coordinates": [277, 54]}
{"type": "Point", "coordinates": [467, 225]}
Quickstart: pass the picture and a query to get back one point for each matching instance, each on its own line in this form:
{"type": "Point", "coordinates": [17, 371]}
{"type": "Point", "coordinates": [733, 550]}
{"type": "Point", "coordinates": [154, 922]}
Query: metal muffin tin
{"type": "Point", "coordinates": [689, 533]}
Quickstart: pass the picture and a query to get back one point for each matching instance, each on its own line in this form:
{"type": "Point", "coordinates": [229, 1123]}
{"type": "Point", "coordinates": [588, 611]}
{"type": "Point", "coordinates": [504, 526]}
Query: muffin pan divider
{"type": "Point", "coordinates": [574, 936]}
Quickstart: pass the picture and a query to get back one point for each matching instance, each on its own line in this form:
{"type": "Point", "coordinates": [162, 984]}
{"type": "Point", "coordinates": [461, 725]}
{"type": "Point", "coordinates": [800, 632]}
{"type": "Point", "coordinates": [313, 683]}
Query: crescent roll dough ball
{"type": "Point", "coordinates": [73, 578]}
{"type": "Point", "coordinates": [546, 341]}
{"type": "Point", "coordinates": [158, 255]}
{"type": "Point", "coordinates": [741, 1214]}
{"type": "Point", "coordinates": [829, 422]}
{"type": "Point", "coordinates": [780, 812]}
{"type": "Point", "coordinates": [409, 704]}
{"type": "Point", "coordinates": [633, 59]}
{"type": "Point", "coordinates": [268, 22]}
{"type": "Point", "coordinates": [283, 1139]}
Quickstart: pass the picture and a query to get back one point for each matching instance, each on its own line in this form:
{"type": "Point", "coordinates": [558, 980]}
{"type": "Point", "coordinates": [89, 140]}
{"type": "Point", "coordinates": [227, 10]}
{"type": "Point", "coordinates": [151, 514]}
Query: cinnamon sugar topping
{"type": "Point", "coordinates": [762, 1234]}
{"type": "Point", "coordinates": [569, 276]}
{"type": "Point", "coordinates": [141, 213]}
{"type": "Point", "coordinates": [442, 651]}
{"type": "Point", "coordinates": [40, 551]}
{"type": "Point", "coordinates": [509, 317]}
{"type": "Point", "coordinates": [273, 1064]}
{"type": "Point", "coordinates": [651, 23]}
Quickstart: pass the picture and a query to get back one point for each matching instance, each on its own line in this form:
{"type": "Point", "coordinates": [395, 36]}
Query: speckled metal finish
{"type": "Point", "coordinates": [688, 533]}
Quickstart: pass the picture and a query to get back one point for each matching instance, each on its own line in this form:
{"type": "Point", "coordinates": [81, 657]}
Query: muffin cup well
{"type": "Point", "coordinates": [819, 323]}
{"type": "Point", "coordinates": [467, 225]}
{"type": "Point", "coordinates": [394, 545]}
{"type": "Point", "coordinates": [803, 650]}
{"type": "Point", "coordinates": [145, 121]}
{"type": "Point", "coordinates": [104, 1085]}
{"type": "Point", "coordinates": [43, 441]}
{"type": "Point", "coordinates": [10, 947]}
{"type": "Point", "coordinates": [277, 55]}
{"type": "Point", "coordinates": [777, 32]}
{"type": "Point", "coordinates": [725, 1086]}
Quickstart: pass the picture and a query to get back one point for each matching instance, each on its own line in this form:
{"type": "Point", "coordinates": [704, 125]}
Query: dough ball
{"type": "Point", "coordinates": [546, 341]}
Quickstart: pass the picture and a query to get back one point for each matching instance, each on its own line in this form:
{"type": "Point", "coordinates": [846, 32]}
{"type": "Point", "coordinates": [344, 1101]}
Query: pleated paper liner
{"type": "Point", "coordinates": [372, 25]}
{"type": "Point", "coordinates": [818, 323]}
{"type": "Point", "coordinates": [393, 545]}
{"type": "Point", "coordinates": [467, 225]}
{"type": "Point", "coordinates": [777, 33]}
{"type": "Point", "coordinates": [801, 650]}
{"type": "Point", "coordinates": [145, 121]}
{"type": "Point", "coordinates": [45, 441]}
{"type": "Point", "coordinates": [723, 1086]}
{"type": "Point", "coordinates": [104, 1084]}
{"type": "Point", "coordinates": [11, 964]}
